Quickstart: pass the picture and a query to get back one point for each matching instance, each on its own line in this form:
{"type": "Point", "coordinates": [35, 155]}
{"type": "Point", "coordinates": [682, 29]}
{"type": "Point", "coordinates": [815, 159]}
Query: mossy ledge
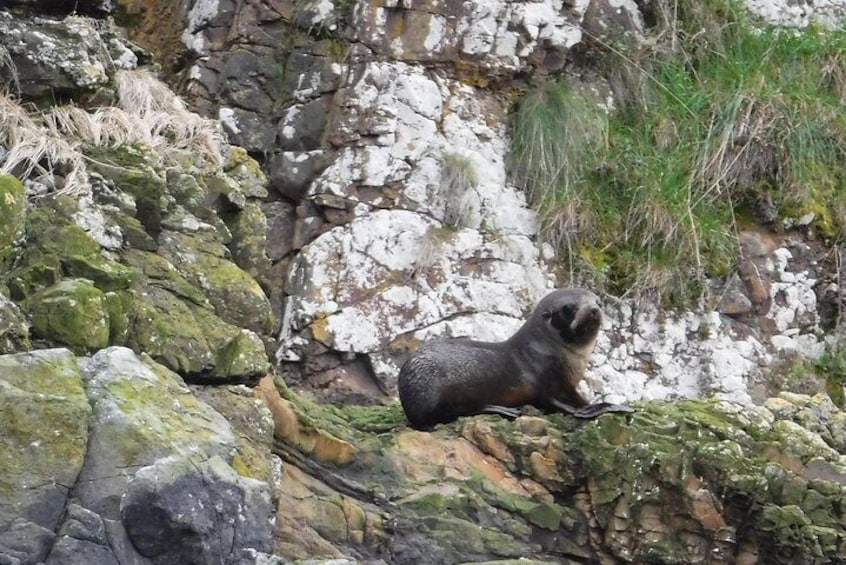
{"type": "Point", "coordinates": [673, 482]}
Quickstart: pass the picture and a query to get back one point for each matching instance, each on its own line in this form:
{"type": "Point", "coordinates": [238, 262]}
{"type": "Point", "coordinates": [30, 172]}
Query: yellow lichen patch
{"type": "Point", "coordinates": [472, 74]}
{"type": "Point", "coordinates": [545, 469]}
{"type": "Point", "coordinates": [428, 457]}
{"type": "Point", "coordinates": [703, 509]}
{"type": "Point", "coordinates": [239, 466]}
{"type": "Point", "coordinates": [312, 518]}
{"type": "Point", "coordinates": [321, 332]}
{"type": "Point", "coordinates": [289, 428]}
{"type": "Point", "coordinates": [484, 435]}
{"type": "Point", "coordinates": [406, 342]}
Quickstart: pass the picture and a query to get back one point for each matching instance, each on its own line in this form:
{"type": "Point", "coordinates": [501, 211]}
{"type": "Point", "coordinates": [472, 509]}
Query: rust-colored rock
{"type": "Point", "coordinates": [287, 427]}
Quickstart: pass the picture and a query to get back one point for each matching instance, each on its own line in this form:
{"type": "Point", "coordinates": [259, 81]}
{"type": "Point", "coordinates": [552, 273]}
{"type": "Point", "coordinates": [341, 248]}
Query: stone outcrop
{"type": "Point", "coordinates": [47, 57]}
{"type": "Point", "coordinates": [141, 413]}
{"type": "Point", "coordinates": [799, 14]}
{"type": "Point", "coordinates": [113, 459]}
{"type": "Point", "coordinates": [131, 256]}
{"type": "Point", "coordinates": [393, 219]}
{"type": "Point", "coordinates": [684, 482]}
{"type": "Point", "coordinates": [386, 151]}
{"type": "Point", "coordinates": [166, 516]}
{"type": "Point", "coordinates": [730, 350]}
{"type": "Point", "coordinates": [43, 445]}
{"type": "Point", "coordinates": [345, 198]}
{"type": "Point", "coordinates": [142, 228]}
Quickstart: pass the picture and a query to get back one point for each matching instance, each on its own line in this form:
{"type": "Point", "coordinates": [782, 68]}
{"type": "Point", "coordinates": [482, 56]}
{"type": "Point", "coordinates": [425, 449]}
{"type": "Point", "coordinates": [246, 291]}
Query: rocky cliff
{"type": "Point", "coordinates": [204, 301]}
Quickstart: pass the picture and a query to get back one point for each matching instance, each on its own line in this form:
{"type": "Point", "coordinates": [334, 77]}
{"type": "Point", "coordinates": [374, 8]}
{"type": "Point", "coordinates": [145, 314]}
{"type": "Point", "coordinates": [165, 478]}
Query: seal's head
{"type": "Point", "coordinates": [573, 313]}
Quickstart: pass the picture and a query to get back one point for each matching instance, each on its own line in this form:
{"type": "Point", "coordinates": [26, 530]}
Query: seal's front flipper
{"type": "Point", "coordinates": [510, 413]}
{"type": "Point", "coordinates": [594, 410]}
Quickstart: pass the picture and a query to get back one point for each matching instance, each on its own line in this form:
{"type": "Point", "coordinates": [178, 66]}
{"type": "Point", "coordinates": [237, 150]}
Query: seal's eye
{"type": "Point", "coordinates": [546, 314]}
{"type": "Point", "coordinates": [567, 311]}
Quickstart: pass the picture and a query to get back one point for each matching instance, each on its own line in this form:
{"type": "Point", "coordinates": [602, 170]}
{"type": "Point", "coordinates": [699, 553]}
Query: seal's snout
{"type": "Point", "coordinates": [587, 315]}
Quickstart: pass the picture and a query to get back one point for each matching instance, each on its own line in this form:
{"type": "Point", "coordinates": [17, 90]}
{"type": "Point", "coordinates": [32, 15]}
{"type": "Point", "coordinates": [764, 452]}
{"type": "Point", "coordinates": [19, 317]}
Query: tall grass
{"type": "Point", "coordinates": [717, 123]}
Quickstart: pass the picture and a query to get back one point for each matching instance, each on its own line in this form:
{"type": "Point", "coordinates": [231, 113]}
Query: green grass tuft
{"type": "Point", "coordinates": [717, 123]}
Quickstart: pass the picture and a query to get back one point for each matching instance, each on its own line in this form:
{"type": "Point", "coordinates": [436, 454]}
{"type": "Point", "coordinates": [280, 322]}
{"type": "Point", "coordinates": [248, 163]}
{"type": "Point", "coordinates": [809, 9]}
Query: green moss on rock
{"type": "Point", "coordinates": [68, 241]}
{"type": "Point", "coordinates": [130, 169]}
{"type": "Point", "coordinates": [12, 216]}
{"type": "Point", "coordinates": [463, 537]}
{"type": "Point", "coordinates": [252, 424]}
{"type": "Point", "coordinates": [50, 227]}
{"type": "Point", "coordinates": [187, 191]}
{"type": "Point", "coordinates": [26, 280]}
{"type": "Point", "coordinates": [142, 412]}
{"type": "Point", "coordinates": [374, 419]}
{"type": "Point", "coordinates": [242, 355]}
{"type": "Point", "coordinates": [352, 423]}
{"type": "Point", "coordinates": [671, 483]}
{"type": "Point", "coordinates": [149, 409]}
{"type": "Point", "coordinates": [673, 452]}
{"type": "Point", "coordinates": [166, 329]}
{"type": "Point", "coordinates": [193, 340]}
{"type": "Point", "coordinates": [249, 241]}
{"type": "Point", "coordinates": [56, 247]}
{"type": "Point", "coordinates": [106, 275]}
{"type": "Point", "coordinates": [134, 234]}
{"type": "Point", "coordinates": [72, 312]}
{"type": "Point", "coordinates": [121, 308]}
{"type": "Point", "coordinates": [246, 172]}
{"type": "Point", "coordinates": [161, 273]}
{"type": "Point", "coordinates": [539, 513]}
{"type": "Point", "coordinates": [237, 297]}
{"type": "Point", "coordinates": [44, 433]}
{"type": "Point", "coordinates": [791, 532]}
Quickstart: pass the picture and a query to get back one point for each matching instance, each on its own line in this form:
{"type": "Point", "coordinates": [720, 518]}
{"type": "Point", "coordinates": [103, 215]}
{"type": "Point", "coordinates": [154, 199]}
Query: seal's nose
{"type": "Point", "coordinates": [587, 314]}
{"type": "Point", "coordinates": [594, 312]}
{"type": "Point", "coordinates": [594, 308]}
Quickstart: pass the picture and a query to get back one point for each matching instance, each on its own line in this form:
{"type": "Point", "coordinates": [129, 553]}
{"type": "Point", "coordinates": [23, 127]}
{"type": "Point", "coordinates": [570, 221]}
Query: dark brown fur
{"type": "Point", "coordinates": [540, 365]}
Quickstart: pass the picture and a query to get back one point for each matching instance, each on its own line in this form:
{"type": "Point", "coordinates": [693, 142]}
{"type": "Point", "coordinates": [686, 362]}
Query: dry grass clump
{"type": "Point", "coordinates": [458, 181]}
{"type": "Point", "coordinates": [53, 141]}
{"type": "Point", "coordinates": [31, 151]}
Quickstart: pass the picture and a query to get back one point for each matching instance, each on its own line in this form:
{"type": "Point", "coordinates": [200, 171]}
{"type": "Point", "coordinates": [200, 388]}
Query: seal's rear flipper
{"type": "Point", "coordinates": [510, 413]}
{"type": "Point", "coordinates": [594, 410]}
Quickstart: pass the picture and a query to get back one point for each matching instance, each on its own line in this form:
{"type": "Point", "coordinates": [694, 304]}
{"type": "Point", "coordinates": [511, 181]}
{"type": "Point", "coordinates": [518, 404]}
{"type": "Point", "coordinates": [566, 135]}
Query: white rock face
{"type": "Point", "coordinates": [425, 128]}
{"type": "Point", "coordinates": [801, 13]}
{"type": "Point", "coordinates": [654, 354]}
{"type": "Point", "coordinates": [201, 14]}
{"type": "Point", "coordinates": [495, 34]}
{"type": "Point", "coordinates": [392, 273]}
{"type": "Point", "coordinates": [692, 355]}
{"type": "Point", "coordinates": [437, 241]}
{"type": "Point", "coordinates": [456, 248]}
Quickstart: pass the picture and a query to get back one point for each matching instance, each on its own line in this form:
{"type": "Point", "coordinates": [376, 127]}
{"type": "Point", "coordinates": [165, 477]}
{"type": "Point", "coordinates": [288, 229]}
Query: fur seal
{"type": "Point", "coordinates": [540, 365]}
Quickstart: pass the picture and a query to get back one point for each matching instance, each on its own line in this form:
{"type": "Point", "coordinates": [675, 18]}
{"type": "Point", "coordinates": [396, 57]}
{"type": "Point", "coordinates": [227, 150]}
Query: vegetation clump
{"type": "Point", "coordinates": [717, 123]}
